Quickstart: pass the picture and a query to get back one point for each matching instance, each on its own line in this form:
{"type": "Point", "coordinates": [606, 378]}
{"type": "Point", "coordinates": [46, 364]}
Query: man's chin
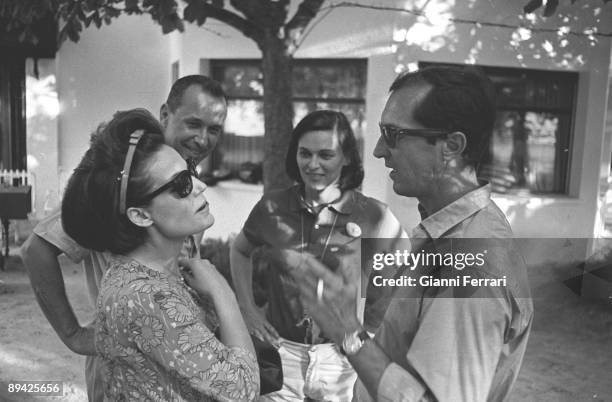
{"type": "Point", "coordinates": [212, 221]}
{"type": "Point", "coordinates": [207, 224]}
{"type": "Point", "coordinates": [400, 190]}
{"type": "Point", "coordinates": [197, 157]}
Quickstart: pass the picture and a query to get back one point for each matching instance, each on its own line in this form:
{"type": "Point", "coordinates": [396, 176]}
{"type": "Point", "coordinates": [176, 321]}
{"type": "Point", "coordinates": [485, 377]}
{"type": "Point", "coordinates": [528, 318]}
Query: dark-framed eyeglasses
{"type": "Point", "coordinates": [390, 133]}
{"type": "Point", "coordinates": [181, 185]}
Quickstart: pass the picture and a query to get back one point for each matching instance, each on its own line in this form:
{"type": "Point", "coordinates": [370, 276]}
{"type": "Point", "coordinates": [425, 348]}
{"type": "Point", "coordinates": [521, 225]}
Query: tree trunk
{"type": "Point", "coordinates": [278, 110]}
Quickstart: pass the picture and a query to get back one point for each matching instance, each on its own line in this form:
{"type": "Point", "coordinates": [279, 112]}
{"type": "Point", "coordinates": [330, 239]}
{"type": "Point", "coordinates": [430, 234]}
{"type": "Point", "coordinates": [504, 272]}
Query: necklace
{"type": "Point", "coordinates": [306, 321]}
{"type": "Point", "coordinates": [302, 239]}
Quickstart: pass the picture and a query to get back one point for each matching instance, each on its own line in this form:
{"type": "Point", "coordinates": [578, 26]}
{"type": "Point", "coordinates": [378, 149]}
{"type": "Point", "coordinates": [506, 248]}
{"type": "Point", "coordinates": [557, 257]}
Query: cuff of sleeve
{"type": "Point", "coordinates": [396, 384]}
{"type": "Point", "coordinates": [242, 354]}
{"type": "Point", "coordinates": [51, 230]}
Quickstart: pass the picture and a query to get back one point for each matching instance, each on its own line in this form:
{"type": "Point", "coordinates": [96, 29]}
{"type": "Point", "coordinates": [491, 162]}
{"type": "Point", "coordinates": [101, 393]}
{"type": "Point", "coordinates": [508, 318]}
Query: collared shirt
{"type": "Point", "coordinates": [282, 219]}
{"type": "Point", "coordinates": [445, 348]}
{"type": "Point", "coordinates": [95, 263]}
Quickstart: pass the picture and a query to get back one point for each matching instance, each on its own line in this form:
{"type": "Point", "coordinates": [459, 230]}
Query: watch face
{"type": "Point", "coordinates": [352, 343]}
{"type": "Point", "coordinates": [354, 347]}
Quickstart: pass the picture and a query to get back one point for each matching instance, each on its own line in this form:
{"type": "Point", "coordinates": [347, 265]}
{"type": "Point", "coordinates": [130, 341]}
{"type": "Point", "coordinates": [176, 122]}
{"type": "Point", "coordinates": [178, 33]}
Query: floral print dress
{"type": "Point", "coordinates": [157, 343]}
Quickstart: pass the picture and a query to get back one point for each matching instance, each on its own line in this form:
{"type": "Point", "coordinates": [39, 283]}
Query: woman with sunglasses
{"type": "Point", "coordinates": [135, 197]}
{"type": "Point", "coordinates": [323, 215]}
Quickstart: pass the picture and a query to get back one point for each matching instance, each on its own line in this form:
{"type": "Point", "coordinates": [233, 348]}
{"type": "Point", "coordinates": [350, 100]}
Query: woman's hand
{"type": "Point", "coordinates": [202, 276]}
{"type": "Point", "coordinates": [259, 326]}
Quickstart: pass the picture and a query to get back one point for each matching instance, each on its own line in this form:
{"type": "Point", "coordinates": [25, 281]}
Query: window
{"type": "Point", "coordinates": [13, 53]}
{"type": "Point", "coordinates": [317, 84]}
{"type": "Point", "coordinates": [12, 113]}
{"type": "Point", "coordinates": [530, 146]}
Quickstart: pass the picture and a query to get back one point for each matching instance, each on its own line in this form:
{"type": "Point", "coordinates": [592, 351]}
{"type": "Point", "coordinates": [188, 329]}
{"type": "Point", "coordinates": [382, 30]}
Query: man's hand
{"type": "Point", "coordinates": [336, 310]}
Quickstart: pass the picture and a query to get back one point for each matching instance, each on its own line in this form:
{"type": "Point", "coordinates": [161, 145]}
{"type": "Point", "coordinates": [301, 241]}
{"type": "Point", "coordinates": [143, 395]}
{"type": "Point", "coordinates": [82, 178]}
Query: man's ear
{"type": "Point", "coordinates": [454, 145]}
{"type": "Point", "coordinates": [164, 112]}
{"type": "Point", "coordinates": [139, 217]}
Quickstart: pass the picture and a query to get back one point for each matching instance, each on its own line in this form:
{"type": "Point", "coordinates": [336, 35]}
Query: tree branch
{"type": "Point", "coordinates": [234, 20]}
{"type": "Point", "coordinates": [306, 11]}
{"type": "Point", "coordinates": [267, 14]}
{"type": "Point", "coordinates": [311, 27]}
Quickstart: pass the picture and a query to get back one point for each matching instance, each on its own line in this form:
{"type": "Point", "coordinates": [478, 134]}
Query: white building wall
{"type": "Point", "coordinates": [128, 64]}
{"type": "Point", "coordinates": [121, 66]}
{"type": "Point", "coordinates": [556, 216]}
{"type": "Point", "coordinates": [377, 35]}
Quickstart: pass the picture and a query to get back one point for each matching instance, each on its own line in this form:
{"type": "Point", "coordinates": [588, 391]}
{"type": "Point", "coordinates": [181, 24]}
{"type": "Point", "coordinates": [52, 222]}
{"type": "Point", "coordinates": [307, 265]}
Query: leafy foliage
{"type": "Point", "coordinates": [79, 13]}
{"type": "Point", "coordinates": [17, 17]}
{"type": "Point", "coordinates": [264, 21]}
{"type": "Point", "coordinates": [251, 17]}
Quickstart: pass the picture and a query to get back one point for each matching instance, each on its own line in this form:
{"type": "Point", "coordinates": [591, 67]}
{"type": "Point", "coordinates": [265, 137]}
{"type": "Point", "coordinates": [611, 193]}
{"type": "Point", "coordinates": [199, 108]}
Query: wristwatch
{"type": "Point", "coordinates": [353, 341]}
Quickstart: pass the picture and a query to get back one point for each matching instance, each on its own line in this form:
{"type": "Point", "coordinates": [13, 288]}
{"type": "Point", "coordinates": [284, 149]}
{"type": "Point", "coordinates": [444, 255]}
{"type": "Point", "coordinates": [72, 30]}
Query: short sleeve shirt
{"type": "Point", "coordinates": [447, 349]}
{"type": "Point", "coordinates": [94, 263]}
{"type": "Point", "coordinates": [282, 219]}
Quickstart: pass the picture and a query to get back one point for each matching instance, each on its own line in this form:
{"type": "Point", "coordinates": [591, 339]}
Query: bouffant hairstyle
{"type": "Point", "coordinates": [351, 175]}
{"type": "Point", "coordinates": [461, 98]}
{"type": "Point", "coordinates": [90, 207]}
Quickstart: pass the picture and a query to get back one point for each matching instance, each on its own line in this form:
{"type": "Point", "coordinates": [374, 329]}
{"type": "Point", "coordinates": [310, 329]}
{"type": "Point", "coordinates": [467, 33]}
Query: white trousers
{"type": "Point", "coordinates": [313, 372]}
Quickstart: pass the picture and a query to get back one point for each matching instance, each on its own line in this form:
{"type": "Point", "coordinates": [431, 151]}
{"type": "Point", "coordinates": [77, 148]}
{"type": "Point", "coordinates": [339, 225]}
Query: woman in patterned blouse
{"type": "Point", "coordinates": [135, 197]}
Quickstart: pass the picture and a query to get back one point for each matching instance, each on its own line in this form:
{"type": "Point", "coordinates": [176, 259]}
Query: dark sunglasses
{"type": "Point", "coordinates": [181, 185]}
{"type": "Point", "coordinates": [390, 133]}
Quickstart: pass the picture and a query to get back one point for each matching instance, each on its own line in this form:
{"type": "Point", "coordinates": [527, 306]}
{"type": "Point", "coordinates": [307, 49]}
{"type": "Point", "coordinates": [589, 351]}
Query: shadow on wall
{"type": "Point", "coordinates": [571, 263]}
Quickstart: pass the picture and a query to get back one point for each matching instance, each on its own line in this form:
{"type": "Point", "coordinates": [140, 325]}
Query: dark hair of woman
{"type": "Point", "coordinates": [90, 207]}
{"type": "Point", "coordinates": [351, 175]}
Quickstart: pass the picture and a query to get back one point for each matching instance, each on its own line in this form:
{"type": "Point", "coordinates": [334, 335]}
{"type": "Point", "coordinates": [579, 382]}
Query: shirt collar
{"type": "Point", "coordinates": [344, 205]}
{"type": "Point", "coordinates": [440, 222]}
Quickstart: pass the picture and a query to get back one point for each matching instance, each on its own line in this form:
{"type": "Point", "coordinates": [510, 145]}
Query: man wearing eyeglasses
{"type": "Point", "coordinates": [193, 118]}
{"type": "Point", "coordinates": [436, 343]}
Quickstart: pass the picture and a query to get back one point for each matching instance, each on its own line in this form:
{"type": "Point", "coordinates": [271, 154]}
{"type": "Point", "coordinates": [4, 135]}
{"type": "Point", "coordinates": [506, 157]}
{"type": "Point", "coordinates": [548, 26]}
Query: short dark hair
{"type": "Point", "coordinates": [90, 207]}
{"type": "Point", "coordinates": [461, 98]}
{"type": "Point", "coordinates": [351, 175]}
{"type": "Point", "coordinates": [179, 87]}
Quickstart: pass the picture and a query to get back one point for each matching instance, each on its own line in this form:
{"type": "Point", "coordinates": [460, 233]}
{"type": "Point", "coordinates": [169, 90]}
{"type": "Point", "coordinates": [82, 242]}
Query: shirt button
{"type": "Point", "coordinates": [316, 226]}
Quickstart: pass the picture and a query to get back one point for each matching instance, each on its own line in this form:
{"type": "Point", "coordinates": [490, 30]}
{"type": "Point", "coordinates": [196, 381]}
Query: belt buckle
{"type": "Point", "coordinates": [307, 323]}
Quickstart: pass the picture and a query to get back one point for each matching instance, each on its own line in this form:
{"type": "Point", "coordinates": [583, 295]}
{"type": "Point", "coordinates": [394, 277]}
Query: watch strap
{"type": "Point", "coordinates": [363, 335]}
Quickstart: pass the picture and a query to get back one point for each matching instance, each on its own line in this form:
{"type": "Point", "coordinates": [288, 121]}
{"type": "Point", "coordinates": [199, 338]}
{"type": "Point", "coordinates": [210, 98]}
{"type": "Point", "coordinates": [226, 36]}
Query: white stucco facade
{"type": "Point", "coordinates": [121, 66]}
{"type": "Point", "coordinates": [128, 65]}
